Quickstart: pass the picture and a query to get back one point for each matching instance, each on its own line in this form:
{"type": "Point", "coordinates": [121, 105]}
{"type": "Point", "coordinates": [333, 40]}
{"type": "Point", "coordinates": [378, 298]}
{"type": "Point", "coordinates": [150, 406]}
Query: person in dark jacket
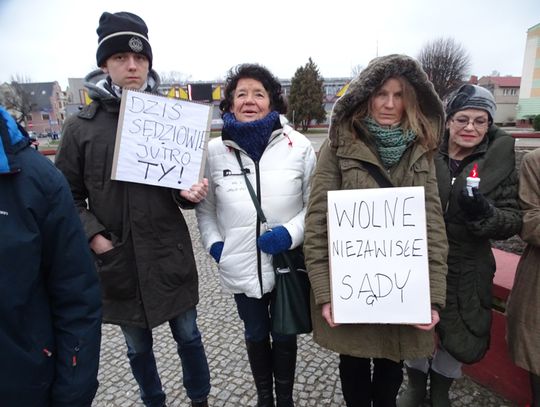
{"type": "Point", "coordinates": [139, 237]}
{"type": "Point", "coordinates": [473, 216]}
{"type": "Point", "coordinates": [50, 329]}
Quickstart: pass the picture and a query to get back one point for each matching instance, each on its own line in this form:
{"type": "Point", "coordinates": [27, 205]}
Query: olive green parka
{"type": "Point", "coordinates": [340, 167]}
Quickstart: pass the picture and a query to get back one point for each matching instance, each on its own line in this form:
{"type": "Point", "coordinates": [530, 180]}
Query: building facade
{"type": "Point", "coordinates": [505, 90]}
{"type": "Point", "coordinates": [529, 97]}
{"type": "Point", "coordinates": [48, 107]}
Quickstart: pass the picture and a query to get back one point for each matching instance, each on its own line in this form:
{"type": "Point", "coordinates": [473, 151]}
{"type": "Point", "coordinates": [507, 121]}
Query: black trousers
{"type": "Point", "coordinates": [362, 385]}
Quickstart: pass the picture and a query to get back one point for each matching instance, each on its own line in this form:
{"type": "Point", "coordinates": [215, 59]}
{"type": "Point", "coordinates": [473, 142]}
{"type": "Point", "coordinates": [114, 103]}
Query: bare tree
{"type": "Point", "coordinates": [355, 70]}
{"type": "Point", "coordinates": [446, 63]}
{"type": "Point", "coordinates": [174, 78]}
{"type": "Point", "coordinates": [17, 100]}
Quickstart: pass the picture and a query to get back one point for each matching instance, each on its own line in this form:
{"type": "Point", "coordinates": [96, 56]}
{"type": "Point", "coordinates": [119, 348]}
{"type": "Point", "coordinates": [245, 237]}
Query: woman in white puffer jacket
{"type": "Point", "coordinates": [279, 163]}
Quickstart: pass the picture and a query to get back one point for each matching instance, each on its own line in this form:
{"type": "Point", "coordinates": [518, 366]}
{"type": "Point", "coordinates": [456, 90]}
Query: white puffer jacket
{"type": "Point", "coordinates": [282, 181]}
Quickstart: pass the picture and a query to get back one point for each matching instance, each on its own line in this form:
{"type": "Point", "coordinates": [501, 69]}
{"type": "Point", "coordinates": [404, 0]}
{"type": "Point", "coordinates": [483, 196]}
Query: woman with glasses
{"type": "Point", "coordinates": [473, 216]}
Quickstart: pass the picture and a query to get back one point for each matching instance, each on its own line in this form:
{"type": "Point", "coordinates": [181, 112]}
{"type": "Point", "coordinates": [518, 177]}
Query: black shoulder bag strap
{"type": "Point", "coordinates": [377, 175]}
{"type": "Point", "coordinates": [251, 191]}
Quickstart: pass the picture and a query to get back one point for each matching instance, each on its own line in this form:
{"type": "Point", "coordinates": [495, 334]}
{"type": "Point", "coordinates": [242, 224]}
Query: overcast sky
{"type": "Point", "coordinates": [56, 39]}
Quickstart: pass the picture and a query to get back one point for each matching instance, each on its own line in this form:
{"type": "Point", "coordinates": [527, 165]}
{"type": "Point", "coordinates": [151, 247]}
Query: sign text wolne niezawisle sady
{"type": "Point", "coordinates": [378, 255]}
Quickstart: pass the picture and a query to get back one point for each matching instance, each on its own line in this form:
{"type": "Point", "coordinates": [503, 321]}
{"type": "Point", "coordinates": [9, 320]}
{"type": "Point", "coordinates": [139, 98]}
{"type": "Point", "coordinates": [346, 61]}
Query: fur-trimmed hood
{"type": "Point", "coordinates": [379, 70]}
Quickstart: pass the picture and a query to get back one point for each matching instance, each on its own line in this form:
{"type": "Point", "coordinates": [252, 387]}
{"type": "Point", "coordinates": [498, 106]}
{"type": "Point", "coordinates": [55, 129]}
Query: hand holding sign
{"type": "Point", "coordinates": [197, 192]}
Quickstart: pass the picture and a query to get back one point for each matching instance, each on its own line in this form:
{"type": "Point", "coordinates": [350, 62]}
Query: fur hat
{"type": "Point", "coordinates": [122, 32]}
{"type": "Point", "coordinates": [471, 97]}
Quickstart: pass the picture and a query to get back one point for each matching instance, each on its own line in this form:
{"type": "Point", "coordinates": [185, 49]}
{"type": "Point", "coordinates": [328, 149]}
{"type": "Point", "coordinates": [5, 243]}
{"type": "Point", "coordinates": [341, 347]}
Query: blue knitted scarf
{"type": "Point", "coordinates": [252, 137]}
{"type": "Point", "coordinates": [391, 141]}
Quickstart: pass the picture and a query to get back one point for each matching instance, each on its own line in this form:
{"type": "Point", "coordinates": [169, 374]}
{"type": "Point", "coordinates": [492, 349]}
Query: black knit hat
{"type": "Point", "coordinates": [122, 32]}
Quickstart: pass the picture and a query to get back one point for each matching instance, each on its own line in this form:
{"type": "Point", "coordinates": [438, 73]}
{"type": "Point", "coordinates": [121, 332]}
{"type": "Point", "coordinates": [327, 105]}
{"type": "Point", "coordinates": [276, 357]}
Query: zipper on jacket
{"type": "Point", "coordinates": [258, 229]}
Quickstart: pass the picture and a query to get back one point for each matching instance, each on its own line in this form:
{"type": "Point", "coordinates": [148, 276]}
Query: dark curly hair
{"type": "Point", "coordinates": [260, 73]}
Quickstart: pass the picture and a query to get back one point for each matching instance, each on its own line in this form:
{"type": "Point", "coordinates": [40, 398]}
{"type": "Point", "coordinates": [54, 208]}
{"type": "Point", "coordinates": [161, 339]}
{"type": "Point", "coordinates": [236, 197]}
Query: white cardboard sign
{"type": "Point", "coordinates": [378, 256]}
{"type": "Point", "coordinates": [160, 141]}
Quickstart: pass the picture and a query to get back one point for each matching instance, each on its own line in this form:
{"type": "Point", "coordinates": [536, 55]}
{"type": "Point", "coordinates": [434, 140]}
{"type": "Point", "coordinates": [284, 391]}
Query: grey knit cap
{"type": "Point", "coordinates": [471, 97]}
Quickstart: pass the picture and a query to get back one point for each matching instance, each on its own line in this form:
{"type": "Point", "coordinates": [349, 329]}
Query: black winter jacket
{"type": "Point", "coordinates": [50, 308]}
{"type": "Point", "coordinates": [465, 324]}
{"type": "Point", "coordinates": [150, 276]}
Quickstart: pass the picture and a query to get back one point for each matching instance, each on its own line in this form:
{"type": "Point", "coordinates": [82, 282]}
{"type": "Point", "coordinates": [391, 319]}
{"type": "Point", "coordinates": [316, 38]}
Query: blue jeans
{"type": "Point", "coordinates": [255, 312]}
{"type": "Point", "coordinates": [196, 376]}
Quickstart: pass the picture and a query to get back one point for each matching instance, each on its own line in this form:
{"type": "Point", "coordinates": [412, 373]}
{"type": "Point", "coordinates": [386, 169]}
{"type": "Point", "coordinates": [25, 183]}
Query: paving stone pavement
{"type": "Point", "coordinates": [317, 378]}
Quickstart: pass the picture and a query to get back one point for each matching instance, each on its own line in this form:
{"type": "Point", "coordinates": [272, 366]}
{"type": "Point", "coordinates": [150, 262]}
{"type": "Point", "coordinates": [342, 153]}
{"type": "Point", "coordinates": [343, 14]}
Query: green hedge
{"type": "Point", "coordinates": [536, 122]}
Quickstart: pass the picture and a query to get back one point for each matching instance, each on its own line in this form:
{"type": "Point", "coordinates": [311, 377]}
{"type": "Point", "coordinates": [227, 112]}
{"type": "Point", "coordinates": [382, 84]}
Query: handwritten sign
{"type": "Point", "coordinates": [378, 256]}
{"type": "Point", "coordinates": [160, 141]}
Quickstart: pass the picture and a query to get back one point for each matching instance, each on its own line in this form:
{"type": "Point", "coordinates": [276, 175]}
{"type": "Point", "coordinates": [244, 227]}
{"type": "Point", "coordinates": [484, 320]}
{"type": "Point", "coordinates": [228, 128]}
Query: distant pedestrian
{"type": "Point", "coordinates": [473, 216]}
{"type": "Point", "coordinates": [523, 309]}
{"type": "Point", "coordinates": [50, 304]}
{"type": "Point", "coordinates": [137, 232]}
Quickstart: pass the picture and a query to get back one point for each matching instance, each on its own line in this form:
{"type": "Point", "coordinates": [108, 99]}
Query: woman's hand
{"type": "Point", "coordinates": [327, 315]}
{"type": "Point", "coordinates": [434, 321]}
{"type": "Point", "coordinates": [197, 192]}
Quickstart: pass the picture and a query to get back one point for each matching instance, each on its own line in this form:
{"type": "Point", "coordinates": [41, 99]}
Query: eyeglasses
{"type": "Point", "coordinates": [479, 123]}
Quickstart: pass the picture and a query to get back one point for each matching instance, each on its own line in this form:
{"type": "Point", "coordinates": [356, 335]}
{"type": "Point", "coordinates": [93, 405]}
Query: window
{"type": "Point", "coordinates": [510, 91]}
{"type": "Point", "coordinates": [45, 116]}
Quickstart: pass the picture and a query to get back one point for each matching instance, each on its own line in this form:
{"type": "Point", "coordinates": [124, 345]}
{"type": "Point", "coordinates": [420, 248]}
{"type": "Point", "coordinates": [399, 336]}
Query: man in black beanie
{"type": "Point", "coordinates": [137, 233]}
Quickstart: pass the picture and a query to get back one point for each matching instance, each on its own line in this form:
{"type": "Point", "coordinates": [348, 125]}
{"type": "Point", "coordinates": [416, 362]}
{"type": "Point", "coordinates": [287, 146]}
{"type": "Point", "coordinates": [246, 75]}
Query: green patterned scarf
{"type": "Point", "coordinates": [391, 141]}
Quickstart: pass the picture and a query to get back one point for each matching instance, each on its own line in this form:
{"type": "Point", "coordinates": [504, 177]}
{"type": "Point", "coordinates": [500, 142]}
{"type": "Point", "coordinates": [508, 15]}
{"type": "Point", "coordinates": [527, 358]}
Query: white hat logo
{"type": "Point", "coordinates": [135, 44]}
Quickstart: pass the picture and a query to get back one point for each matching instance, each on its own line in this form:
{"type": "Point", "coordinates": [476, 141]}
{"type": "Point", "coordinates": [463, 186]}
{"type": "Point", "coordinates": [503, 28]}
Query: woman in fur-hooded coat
{"type": "Point", "coordinates": [389, 118]}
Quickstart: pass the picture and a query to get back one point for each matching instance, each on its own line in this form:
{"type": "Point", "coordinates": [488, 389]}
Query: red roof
{"type": "Point", "coordinates": [501, 81]}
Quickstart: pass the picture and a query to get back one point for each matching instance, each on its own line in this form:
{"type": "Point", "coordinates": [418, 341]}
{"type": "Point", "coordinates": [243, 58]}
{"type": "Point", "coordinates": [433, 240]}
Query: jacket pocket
{"type": "Point", "coordinates": [474, 299]}
{"type": "Point", "coordinates": [174, 264]}
{"type": "Point", "coordinates": [420, 173]}
{"type": "Point", "coordinates": [353, 174]}
{"type": "Point", "coordinates": [116, 270]}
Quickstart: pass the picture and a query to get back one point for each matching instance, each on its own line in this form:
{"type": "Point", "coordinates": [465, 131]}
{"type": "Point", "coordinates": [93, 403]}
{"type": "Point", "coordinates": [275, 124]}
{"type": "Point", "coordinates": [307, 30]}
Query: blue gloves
{"type": "Point", "coordinates": [474, 207]}
{"type": "Point", "coordinates": [215, 251]}
{"type": "Point", "coordinates": [275, 241]}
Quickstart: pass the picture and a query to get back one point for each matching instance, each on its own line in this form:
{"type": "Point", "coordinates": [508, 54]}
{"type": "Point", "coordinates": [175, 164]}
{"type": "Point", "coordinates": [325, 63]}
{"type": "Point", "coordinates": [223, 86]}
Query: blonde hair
{"type": "Point", "coordinates": [413, 117]}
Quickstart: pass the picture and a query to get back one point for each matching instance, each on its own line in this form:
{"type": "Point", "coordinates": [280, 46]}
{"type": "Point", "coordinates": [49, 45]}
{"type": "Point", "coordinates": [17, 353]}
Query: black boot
{"type": "Point", "coordinates": [355, 376]}
{"type": "Point", "coordinates": [284, 354]}
{"type": "Point", "coordinates": [199, 403]}
{"type": "Point", "coordinates": [439, 386]}
{"type": "Point", "coordinates": [535, 389]}
{"type": "Point", "coordinates": [260, 360]}
{"type": "Point", "coordinates": [415, 393]}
